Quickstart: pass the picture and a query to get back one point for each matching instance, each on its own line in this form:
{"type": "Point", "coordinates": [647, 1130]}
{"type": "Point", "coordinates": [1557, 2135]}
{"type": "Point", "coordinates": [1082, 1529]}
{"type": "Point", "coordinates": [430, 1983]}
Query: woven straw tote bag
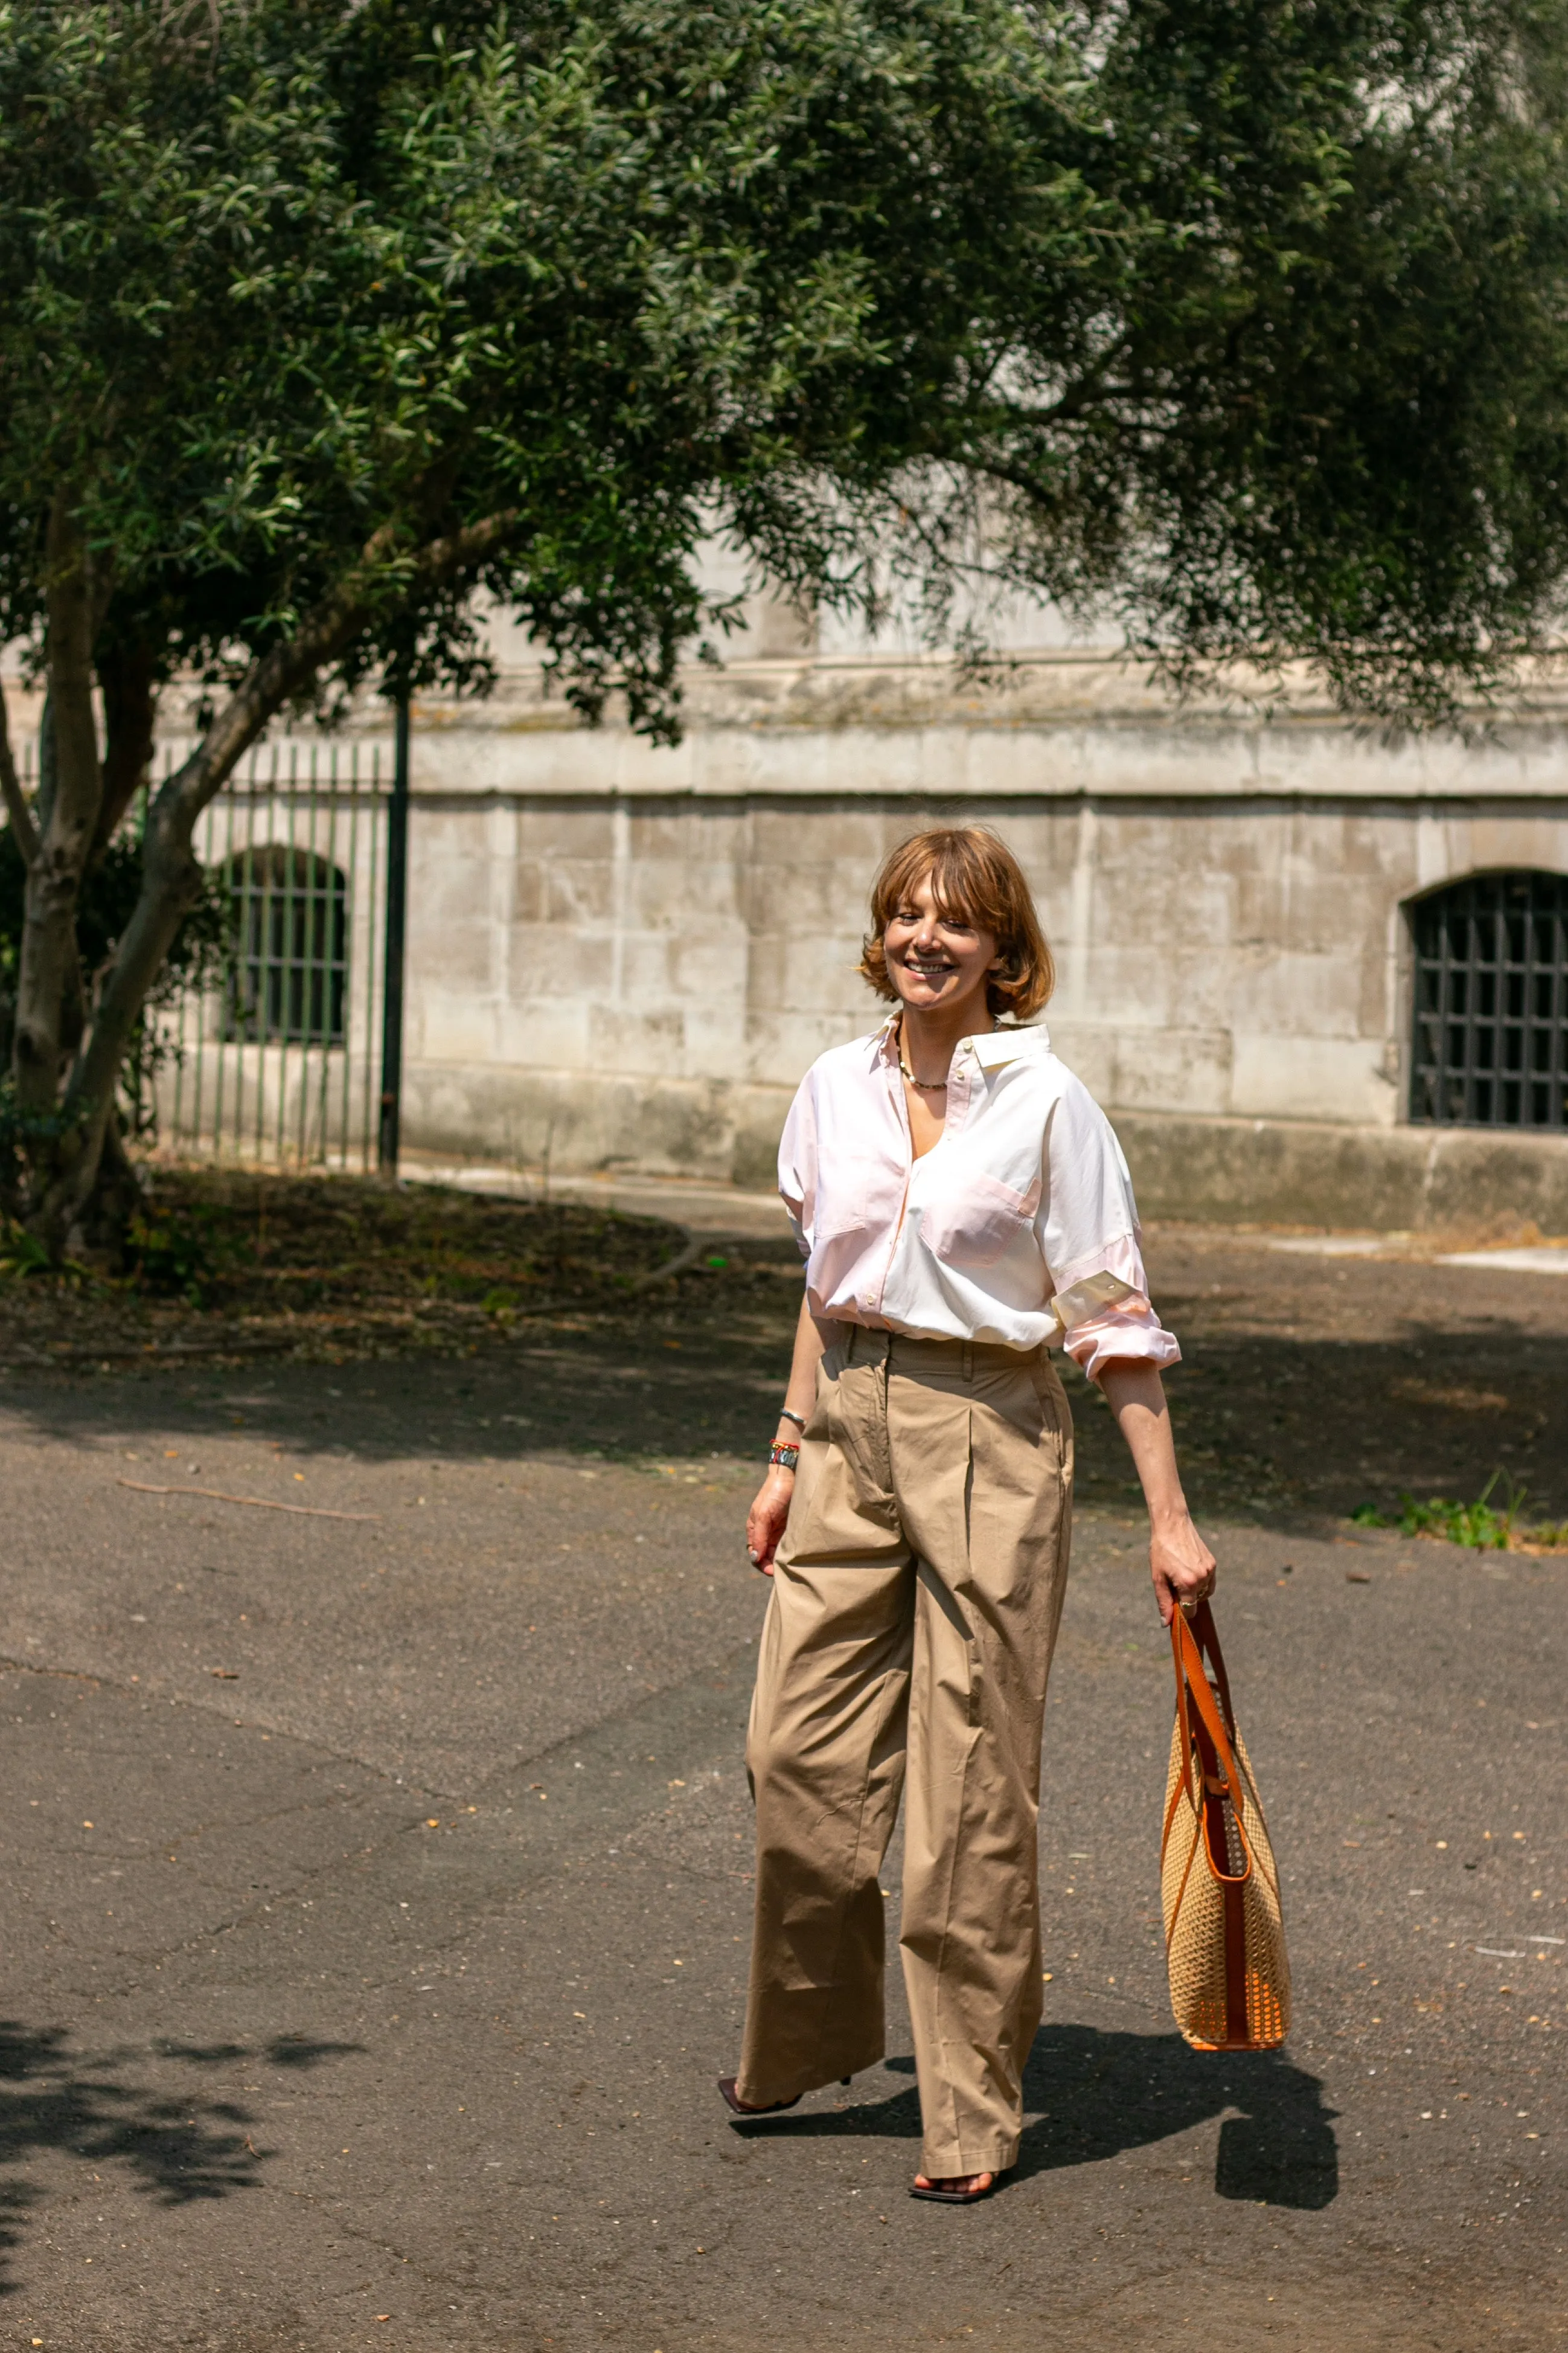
{"type": "Point", "coordinates": [1225, 1937]}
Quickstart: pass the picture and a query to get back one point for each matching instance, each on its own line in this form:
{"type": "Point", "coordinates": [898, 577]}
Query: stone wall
{"type": "Point", "coordinates": [625, 957]}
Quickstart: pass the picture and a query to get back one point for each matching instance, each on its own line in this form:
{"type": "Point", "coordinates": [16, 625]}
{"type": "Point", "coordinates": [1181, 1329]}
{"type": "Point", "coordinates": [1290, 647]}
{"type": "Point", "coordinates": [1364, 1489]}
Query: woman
{"type": "Point", "coordinates": [960, 1201]}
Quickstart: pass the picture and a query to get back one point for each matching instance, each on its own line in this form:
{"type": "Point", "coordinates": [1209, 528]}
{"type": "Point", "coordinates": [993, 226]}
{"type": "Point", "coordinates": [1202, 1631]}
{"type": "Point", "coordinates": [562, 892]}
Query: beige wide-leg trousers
{"type": "Point", "coordinates": [914, 1608]}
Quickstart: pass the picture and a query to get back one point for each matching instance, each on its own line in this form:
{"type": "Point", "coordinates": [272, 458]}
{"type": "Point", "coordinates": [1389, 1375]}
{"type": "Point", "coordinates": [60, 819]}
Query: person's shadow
{"type": "Point", "coordinates": [1090, 2094]}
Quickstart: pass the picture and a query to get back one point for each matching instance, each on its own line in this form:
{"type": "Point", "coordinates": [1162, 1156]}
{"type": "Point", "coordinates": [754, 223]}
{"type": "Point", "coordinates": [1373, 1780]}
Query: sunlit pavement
{"type": "Point", "coordinates": [378, 1895]}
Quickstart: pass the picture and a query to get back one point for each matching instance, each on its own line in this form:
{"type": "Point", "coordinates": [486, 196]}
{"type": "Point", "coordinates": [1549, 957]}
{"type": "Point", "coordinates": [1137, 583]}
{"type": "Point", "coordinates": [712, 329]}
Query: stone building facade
{"type": "Point", "coordinates": [623, 958]}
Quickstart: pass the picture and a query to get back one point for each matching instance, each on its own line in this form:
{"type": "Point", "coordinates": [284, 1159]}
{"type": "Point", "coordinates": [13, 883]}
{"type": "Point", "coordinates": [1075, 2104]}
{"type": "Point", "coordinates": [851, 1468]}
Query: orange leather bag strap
{"type": "Point", "coordinates": [1190, 1679]}
{"type": "Point", "coordinates": [1206, 1634]}
{"type": "Point", "coordinates": [1209, 1729]}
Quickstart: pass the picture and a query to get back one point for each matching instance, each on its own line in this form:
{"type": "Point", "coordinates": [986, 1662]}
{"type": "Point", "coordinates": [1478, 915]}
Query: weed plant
{"type": "Point", "coordinates": [1480, 1526]}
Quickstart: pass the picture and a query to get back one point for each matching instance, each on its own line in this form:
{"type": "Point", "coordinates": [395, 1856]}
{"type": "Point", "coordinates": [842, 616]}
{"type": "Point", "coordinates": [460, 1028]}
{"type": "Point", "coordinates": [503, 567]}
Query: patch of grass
{"type": "Point", "coordinates": [23, 1257]}
{"type": "Point", "coordinates": [1476, 1526]}
{"type": "Point", "coordinates": [185, 1250]}
{"type": "Point", "coordinates": [1479, 1526]}
{"type": "Point", "coordinates": [1541, 1535]}
{"type": "Point", "coordinates": [21, 1254]}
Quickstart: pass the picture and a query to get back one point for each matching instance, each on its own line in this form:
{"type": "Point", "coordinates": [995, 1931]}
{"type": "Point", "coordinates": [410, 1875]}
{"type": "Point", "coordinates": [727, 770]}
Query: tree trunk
{"type": "Point", "coordinates": [128, 675]}
{"type": "Point", "coordinates": [49, 985]}
{"type": "Point", "coordinates": [82, 1188]}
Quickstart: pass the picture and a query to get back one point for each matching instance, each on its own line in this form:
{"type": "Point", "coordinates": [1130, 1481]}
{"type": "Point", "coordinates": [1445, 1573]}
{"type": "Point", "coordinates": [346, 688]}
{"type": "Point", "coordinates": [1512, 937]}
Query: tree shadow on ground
{"type": "Point", "coordinates": [1091, 2095]}
{"type": "Point", "coordinates": [1277, 1427]}
{"type": "Point", "coordinates": [175, 2150]}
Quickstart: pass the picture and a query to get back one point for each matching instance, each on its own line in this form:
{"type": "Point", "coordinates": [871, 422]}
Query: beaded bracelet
{"type": "Point", "coordinates": [783, 1458]}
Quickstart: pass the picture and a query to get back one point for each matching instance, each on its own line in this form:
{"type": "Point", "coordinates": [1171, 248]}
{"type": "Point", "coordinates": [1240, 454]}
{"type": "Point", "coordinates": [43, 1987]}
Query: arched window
{"type": "Point", "coordinates": [289, 984]}
{"type": "Point", "coordinates": [1490, 1047]}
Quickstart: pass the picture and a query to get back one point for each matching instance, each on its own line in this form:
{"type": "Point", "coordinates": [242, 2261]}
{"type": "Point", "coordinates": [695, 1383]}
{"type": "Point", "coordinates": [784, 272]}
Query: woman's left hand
{"type": "Point", "coordinates": [1183, 1566]}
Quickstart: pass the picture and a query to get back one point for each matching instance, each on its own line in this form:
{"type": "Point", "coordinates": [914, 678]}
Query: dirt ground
{"type": "Point", "coordinates": [1311, 1385]}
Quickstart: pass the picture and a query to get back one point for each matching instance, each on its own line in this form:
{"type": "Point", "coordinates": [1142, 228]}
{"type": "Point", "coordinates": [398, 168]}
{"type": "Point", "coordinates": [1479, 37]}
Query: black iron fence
{"type": "Point", "coordinates": [279, 1062]}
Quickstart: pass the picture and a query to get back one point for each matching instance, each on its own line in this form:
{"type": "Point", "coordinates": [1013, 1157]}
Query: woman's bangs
{"type": "Point", "coordinates": [958, 884]}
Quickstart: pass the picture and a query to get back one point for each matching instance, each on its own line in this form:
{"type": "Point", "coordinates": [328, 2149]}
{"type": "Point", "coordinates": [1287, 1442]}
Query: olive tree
{"type": "Point", "coordinates": [320, 321]}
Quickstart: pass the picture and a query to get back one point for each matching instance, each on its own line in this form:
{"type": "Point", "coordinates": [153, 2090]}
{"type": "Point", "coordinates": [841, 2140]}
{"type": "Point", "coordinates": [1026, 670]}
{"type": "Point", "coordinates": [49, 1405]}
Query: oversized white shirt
{"type": "Point", "coordinates": [1024, 1196]}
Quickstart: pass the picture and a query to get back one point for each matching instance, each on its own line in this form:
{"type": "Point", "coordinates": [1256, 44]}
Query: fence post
{"type": "Point", "coordinates": [396, 918]}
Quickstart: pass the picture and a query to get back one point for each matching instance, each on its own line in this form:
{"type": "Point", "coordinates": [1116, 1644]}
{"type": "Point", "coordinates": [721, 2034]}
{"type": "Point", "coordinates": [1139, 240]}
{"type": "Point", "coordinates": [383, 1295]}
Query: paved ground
{"type": "Point", "coordinates": [378, 1886]}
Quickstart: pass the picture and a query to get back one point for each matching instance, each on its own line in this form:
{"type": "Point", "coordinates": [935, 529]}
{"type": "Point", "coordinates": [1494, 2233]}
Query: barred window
{"type": "Point", "coordinates": [1490, 1048]}
{"type": "Point", "coordinates": [289, 979]}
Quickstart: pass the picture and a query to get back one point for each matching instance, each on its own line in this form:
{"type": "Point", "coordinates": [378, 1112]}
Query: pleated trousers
{"type": "Point", "coordinates": [915, 1603]}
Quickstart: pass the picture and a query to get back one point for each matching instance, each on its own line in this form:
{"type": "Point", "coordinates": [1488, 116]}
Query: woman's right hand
{"type": "Point", "coordinates": [765, 1520]}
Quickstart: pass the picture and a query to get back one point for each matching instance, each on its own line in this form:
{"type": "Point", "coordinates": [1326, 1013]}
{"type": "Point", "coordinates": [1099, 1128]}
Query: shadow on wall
{"type": "Point", "coordinates": [175, 2149]}
{"type": "Point", "coordinates": [1090, 2096]}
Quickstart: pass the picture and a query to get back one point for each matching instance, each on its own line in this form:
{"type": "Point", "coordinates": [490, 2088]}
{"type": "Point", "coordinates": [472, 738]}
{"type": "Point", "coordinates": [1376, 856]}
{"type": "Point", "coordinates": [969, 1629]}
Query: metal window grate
{"type": "Point", "coordinates": [1491, 1003]}
{"type": "Point", "coordinates": [227, 1091]}
{"type": "Point", "coordinates": [290, 978]}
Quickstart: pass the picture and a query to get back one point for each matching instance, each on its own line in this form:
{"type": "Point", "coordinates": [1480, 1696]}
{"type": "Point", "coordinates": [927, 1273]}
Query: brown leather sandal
{"type": "Point", "coordinates": [738, 2107]}
{"type": "Point", "coordinates": [955, 2196]}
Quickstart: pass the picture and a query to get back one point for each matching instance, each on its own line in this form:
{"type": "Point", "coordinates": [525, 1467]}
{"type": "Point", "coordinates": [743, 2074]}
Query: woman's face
{"type": "Point", "coordinates": [932, 959]}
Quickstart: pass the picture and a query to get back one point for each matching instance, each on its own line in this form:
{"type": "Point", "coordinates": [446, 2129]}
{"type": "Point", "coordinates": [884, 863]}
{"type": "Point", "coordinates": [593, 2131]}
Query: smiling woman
{"type": "Point", "coordinates": [963, 1205]}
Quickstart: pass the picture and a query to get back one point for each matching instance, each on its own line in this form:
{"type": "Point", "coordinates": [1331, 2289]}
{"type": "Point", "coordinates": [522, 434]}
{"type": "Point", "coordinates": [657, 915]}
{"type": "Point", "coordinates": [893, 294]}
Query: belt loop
{"type": "Point", "coordinates": [969, 1360]}
{"type": "Point", "coordinates": [849, 1345]}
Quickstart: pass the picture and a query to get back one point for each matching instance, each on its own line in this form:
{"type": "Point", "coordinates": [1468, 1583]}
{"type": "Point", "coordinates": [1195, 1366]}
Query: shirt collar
{"type": "Point", "coordinates": [883, 1041]}
{"type": "Point", "coordinates": [992, 1047]}
{"type": "Point", "coordinates": [995, 1047]}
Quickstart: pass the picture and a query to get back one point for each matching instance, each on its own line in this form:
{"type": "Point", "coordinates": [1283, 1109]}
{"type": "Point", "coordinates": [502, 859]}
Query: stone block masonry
{"type": "Point", "coordinates": [623, 958]}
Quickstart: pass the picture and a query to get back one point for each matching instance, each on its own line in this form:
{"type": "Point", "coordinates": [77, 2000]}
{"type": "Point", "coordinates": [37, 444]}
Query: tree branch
{"type": "Point", "coordinates": [128, 675]}
{"type": "Point", "coordinates": [70, 603]}
{"type": "Point", "coordinates": [48, 959]}
{"type": "Point", "coordinates": [17, 810]}
{"type": "Point", "coordinates": [170, 874]}
{"type": "Point", "coordinates": [289, 666]}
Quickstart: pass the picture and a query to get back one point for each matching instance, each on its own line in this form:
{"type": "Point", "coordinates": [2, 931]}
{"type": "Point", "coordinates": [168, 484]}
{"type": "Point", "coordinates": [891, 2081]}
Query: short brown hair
{"type": "Point", "coordinates": [974, 879]}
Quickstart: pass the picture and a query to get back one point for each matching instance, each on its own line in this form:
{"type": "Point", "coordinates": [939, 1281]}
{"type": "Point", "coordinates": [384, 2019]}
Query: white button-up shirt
{"type": "Point", "coordinates": [1024, 1196]}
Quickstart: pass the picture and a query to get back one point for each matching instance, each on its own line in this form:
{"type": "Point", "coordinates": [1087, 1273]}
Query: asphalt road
{"type": "Point", "coordinates": [378, 1889]}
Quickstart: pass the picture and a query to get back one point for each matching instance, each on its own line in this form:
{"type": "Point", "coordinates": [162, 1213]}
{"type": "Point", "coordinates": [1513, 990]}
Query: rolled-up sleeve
{"type": "Point", "coordinates": [797, 1164]}
{"type": "Point", "coordinates": [1089, 1225]}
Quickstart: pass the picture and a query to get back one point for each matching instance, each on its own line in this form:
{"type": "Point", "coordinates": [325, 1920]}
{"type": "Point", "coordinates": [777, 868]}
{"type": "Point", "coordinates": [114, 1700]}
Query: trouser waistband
{"type": "Point", "coordinates": [907, 1352]}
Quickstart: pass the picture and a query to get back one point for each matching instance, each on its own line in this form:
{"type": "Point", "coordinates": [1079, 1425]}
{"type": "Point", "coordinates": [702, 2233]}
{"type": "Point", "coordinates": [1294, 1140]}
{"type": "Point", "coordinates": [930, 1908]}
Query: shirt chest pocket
{"type": "Point", "coordinates": [858, 1195]}
{"type": "Point", "coordinates": [977, 1223]}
